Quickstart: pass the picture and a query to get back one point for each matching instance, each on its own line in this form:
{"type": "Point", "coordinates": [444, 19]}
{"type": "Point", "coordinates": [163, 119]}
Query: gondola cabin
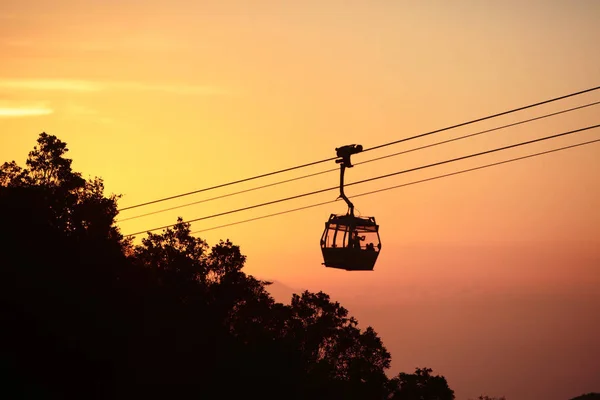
{"type": "Point", "coordinates": [350, 243]}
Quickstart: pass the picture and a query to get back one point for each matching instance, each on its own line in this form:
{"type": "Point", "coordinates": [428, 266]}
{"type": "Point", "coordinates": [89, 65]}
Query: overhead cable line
{"type": "Point", "coordinates": [376, 178]}
{"type": "Point", "coordinates": [368, 149]}
{"type": "Point", "coordinates": [401, 185]}
{"type": "Point", "coordinates": [358, 163]}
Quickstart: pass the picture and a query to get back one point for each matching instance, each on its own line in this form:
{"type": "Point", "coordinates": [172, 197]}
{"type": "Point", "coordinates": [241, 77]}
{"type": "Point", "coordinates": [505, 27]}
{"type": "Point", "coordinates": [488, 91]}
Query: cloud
{"type": "Point", "coordinates": [11, 112]}
{"type": "Point", "coordinates": [78, 111]}
{"type": "Point", "coordinates": [138, 42]}
{"type": "Point", "coordinates": [177, 89]}
{"type": "Point", "coordinates": [10, 108]}
{"type": "Point", "coordinates": [93, 86]}
{"type": "Point", "coordinates": [50, 84]}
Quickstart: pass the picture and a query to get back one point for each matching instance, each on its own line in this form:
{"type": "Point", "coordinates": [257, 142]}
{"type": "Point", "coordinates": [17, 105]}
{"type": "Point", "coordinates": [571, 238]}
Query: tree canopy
{"type": "Point", "coordinates": [88, 314]}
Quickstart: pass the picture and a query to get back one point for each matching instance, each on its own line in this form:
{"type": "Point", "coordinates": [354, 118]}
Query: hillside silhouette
{"type": "Point", "coordinates": [588, 396]}
{"type": "Point", "coordinates": [88, 314]}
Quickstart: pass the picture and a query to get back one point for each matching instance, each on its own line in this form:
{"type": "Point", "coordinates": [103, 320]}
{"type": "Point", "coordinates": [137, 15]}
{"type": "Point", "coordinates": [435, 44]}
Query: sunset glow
{"type": "Point", "coordinates": [161, 98]}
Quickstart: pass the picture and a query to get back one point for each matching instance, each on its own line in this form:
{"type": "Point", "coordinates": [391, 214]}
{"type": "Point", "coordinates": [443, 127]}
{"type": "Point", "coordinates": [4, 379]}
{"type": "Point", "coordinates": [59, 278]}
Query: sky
{"type": "Point", "coordinates": [487, 277]}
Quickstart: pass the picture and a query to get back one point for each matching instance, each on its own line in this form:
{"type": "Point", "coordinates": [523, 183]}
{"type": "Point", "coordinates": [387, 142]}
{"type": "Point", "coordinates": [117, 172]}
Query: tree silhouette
{"type": "Point", "coordinates": [485, 397]}
{"type": "Point", "coordinates": [419, 386]}
{"type": "Point", "coordinates": [88, 314]}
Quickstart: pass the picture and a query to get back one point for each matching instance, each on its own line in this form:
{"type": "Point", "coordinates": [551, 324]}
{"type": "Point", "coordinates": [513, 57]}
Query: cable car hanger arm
{"type": "Point", "coordinates": [344, 153]}
{"type": "Point", "coordinates": [342, 194]}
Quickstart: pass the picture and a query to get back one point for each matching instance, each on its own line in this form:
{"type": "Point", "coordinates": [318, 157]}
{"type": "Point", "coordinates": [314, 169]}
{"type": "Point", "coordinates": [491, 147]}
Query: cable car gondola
{"type": "Point", "coordinates": [349, 242]}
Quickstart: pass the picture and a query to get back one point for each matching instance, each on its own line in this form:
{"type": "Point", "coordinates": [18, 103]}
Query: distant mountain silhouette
{"type": "Point", "coordinates": [282, 293]}
{"type": "Point", "coordinates": [588, 396]}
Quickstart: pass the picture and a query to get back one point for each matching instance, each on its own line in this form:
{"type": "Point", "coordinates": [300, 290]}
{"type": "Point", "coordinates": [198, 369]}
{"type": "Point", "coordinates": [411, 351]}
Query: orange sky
{"type": "Point", "coordinates": [160, 98]}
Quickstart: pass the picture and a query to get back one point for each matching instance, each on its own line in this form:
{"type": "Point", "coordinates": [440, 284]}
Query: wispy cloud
{"type": "Point", "coordinates": [95, 86]}
{"type": "Point", "coordinates": [12, 112]}
{"type": "Point", "coordinates": [50, 84]}
{"type": "Point", "coordinates": [10, 108]}
{"type": "Point", "coordinates": [178, 89]}
{"type": "Point", "coordinates": [138, 43]}
{"type": "Point", "coordinates": [78, 111]}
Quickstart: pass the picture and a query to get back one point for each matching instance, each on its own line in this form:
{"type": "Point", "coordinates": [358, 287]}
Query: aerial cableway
{"type": "Point", "coordinates": [349, 242]}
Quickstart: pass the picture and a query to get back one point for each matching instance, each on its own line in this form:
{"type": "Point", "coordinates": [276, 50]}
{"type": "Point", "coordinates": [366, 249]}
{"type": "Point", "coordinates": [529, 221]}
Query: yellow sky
{"type": "Point", "coordinates": [160, 98]}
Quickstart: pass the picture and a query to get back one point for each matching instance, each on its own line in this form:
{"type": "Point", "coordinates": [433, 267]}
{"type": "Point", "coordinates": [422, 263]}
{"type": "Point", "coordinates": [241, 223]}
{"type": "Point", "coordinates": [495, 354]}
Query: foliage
{"type": "Point", "coordinates": [88, 314]}
{"type": "Point", "coordinates": [485, 397]}
{"type": "Point", "coordinates": [420, 385]}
